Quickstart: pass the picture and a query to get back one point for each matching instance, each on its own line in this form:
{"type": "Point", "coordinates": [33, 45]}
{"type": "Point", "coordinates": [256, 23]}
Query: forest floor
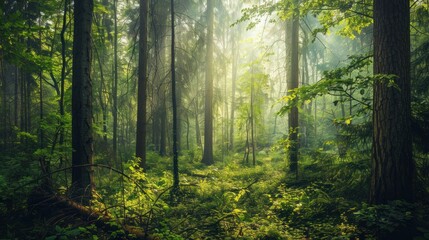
{"type": "Point", "coordinates": [229, 200]}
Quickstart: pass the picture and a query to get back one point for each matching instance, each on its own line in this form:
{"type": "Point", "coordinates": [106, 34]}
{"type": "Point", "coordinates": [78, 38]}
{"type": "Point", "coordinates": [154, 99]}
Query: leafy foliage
{"type": "Point", "coordinates": [350, 83]}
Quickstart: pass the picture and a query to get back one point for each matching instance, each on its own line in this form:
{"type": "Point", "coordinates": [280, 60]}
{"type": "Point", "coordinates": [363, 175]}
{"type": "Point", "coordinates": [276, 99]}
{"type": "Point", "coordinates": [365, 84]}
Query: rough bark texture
{"type": "Point", "coordinates": [392, 163]}
{"type": "Point", "coordinates": [208, 114]}
{"type": "Point", "coordinates": [82, 139]}
{"type": "Point", "coordinates": [142, 83]}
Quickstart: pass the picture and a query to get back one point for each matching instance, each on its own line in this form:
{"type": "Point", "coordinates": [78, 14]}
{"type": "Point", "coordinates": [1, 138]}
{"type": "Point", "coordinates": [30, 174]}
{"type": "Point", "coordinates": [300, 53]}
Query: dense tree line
{"type": "Point", "coordinates": [115, 103]}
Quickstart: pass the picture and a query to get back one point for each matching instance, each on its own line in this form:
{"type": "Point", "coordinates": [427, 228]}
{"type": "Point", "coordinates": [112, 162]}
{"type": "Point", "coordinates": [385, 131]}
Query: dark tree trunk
{"type": "Point", "coordinates": [393, 170]}
{"type": "Point", "coordinates": [16, 109]}
{"type": "Point", "coordinates": [115, 84]}
{"type": "Point", "coordinates": [82, 139]}
{"type": "Point", "coordinates": [44, 163]}
{"type": "Point", "coordinates": [208, 114]}
{"type": "Point", "coordinates": [142, 83]}
{"type": "Point", "coordinates": [174, 102]}
{"type": "Point", "coordinates": [163, 127]}
{"type": "Point", "coordinates": [159, 29]}
{"type": "Point", "coordinates": [187, 132]}
{"type": "Point", "coordinates": [179, 114]}
{"type": "Point", "coordinates": [197, 129]}
{"type": "Point", "coordinates": [197, 121]}
{"type": "Point", "coordinates": [63, 72]}
{"type": "Point", "coordinates": [3, 103]}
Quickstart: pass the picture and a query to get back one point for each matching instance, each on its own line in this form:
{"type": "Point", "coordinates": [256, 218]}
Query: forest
{"type": "Point", "coordinates": [214, 119]}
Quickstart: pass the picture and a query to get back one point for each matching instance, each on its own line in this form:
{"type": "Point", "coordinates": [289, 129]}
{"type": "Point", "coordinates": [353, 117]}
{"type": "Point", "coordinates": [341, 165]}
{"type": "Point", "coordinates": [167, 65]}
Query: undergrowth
{"type": "Point", "coordinates": [231, 200]}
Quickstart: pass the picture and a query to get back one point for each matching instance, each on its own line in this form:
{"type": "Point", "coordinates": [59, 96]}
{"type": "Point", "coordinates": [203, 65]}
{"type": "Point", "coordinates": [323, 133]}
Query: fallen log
{"type": "Point", "coordinates": [50, 203]}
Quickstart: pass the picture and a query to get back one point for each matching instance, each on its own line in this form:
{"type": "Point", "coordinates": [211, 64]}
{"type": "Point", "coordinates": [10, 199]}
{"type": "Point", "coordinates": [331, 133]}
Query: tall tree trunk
{"type": "Point", "coordinates": [159, 17]}
{"type": "Point", "coordinates": [82, 139]}
{"type": "Point", "coordinates": [4, 102]}
{"type": "Point", "coordinates": [22, 99]}
{"type": "Point", "coordinates": [292, 84]}
{"type": "Point", "coordinates": [115, 83]}
{"type": "Point", "coordinates": [235, 51]}
{"type": "Point", "coordinates": [63, 72]}
{"type": "Point", "coordinates": [16, 98]}
{"type": "Point", "coordinates": [393, 169]}
{"type": "Point", "coordinates": [27, 101]}
{"type": "Point", "coordinates": [142, 83]}
{"type": "Point", "coordinates": [101, 100]}
{"type": "Point", "coordinates": [208, 114]}
{"type": "Point", "coordinates": [197, 127]}
{"type": "Point", "coordinates": [197, 121]}
{"type": "Point", "coordinates": [188, 124]}
{"type": "Point", "coordinates": [179, 114]}
{"type": "Point", "coordinates": [305, 123]}
{"type": "Point", "coordinates": [45, 165]}
{"type": "Point", "coordinates": [163, 127]}
{"type": "Point", "coordinates": [252, 120]}
{"type": "Point", "coordinates": [174, 102]}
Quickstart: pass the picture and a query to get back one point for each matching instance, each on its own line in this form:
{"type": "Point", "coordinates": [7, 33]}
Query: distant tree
{"type": "Point", "coordinates": [158, 33]}
{"type": "Point", "coordinates": [393, 169]}
{"type": "Point", "coordinates": [252, 87]}
{"type": "Point", "coordinates": [208, 114]}
{"type": "Point", "coordinates": [235, 49]}
{"type": "Point", "coordinates": [142, 83]}
{"type": "Point", "coordinates": [82, 138]}
{"type": "Point", "coordinates": [235, 52]}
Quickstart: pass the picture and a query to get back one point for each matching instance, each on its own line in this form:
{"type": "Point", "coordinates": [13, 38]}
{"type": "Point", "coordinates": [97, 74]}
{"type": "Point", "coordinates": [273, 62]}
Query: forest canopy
{"type": "Point", "coordinates": [211, 119]}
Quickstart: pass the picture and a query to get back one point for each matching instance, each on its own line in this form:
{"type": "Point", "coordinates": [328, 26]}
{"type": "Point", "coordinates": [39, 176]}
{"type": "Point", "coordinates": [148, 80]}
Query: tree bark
{"type": "Point", "coordinates": [159, 17]}
{"type": "Point", "coordinates": [82, 139]}
{"type": "Point", "coordinates": [393, 169]}
{"type": "Point", "coordinates": [142, 83]}
{"type": "Point", "coordinates": [174, 102]}
{"type": "Point", "coordinates": [208, 114]}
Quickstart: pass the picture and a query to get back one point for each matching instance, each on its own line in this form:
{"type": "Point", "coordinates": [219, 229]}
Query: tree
{"type": "Point", "coordinates": [392, 164]}
{"type": "Point", "coordinates": [115, 82]}
{"type": "Point", "coordinates": [63, 71]}
{"type": "Point", "coordinates": [82, 139]}
{"type": "Point", "coordinates": [235, 48]}
{"type": "Point", "coordinates": [174, 101]}
{"type": "Point", "coordinates": [142, 83]}
{"type": "Point", "coordinates": [208, 114]}
{"type": "Point", "coordinates": [158, 24]}
{"type": "Point", "coordinates": [293, 80]}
